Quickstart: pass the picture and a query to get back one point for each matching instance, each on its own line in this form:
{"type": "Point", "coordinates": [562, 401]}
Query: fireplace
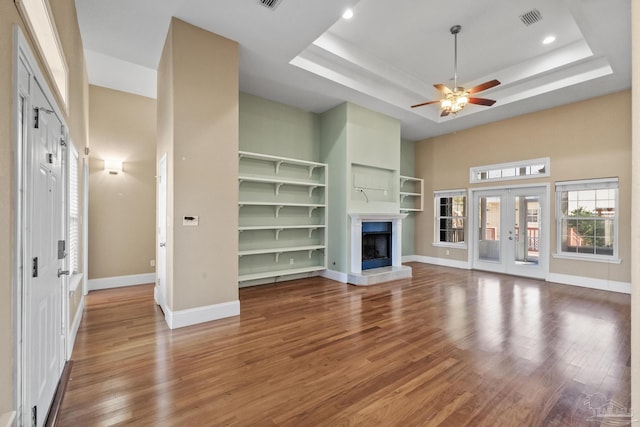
{"type": "Point", "coordinates": [376, 245]}
{"type": "Point", "coordinates": [377, 238]}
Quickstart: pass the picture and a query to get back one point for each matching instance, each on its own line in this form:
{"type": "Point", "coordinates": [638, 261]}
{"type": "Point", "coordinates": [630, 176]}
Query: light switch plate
{"type": "Point", "coordinates": [190, 220]}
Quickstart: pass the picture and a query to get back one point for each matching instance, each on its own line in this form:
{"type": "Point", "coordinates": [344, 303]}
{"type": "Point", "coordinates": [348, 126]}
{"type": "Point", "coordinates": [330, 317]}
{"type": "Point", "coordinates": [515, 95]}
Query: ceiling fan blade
{"type": "Point", "coordinates": [444, 113]}
{"type": "Point", "coordinates": [442, 88]}
{"type": "Point", "coordinates": [484, 86]}
{"type": "Point", "coordinates": [424, 103]}
{"type": "Point", "coordinates": [482, 101]}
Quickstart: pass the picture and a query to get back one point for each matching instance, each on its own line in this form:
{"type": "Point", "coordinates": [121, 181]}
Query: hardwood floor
{"type": "Point", "coordinates": [448, 347]}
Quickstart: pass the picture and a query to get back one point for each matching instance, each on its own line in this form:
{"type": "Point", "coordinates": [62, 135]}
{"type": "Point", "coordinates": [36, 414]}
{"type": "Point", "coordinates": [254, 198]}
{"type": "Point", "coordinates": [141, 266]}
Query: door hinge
{"type": "Point", "coordinates": [34, 267]}
{"type": "Point", "coordinates": [36, 118]}
{"type": "Point", "coordinates": [34, 416]}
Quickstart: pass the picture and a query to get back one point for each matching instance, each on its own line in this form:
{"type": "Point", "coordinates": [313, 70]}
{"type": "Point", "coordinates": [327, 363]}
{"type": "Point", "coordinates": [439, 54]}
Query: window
{"type": "Point", "coordinates": [588, 219]}
{"type": "Point", "coordinates": [451, 216]}
{"type": "Point", "coordinates": [39, 20]}
{"type": "Point", "coordinates": [534, 168]}
{"type": "Point", "coordinates": [74, 211]}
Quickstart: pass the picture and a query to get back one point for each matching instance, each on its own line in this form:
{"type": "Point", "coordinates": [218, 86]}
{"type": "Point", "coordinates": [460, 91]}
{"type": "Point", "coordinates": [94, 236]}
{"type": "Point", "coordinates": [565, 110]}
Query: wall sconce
{"type": "Point", "coordinates": [113, 166]}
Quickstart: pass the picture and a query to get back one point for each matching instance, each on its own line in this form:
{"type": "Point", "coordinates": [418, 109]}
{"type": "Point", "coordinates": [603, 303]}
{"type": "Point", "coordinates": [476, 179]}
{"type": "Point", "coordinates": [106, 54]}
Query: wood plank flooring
{"type": "Point", "coordinates": [448, 347]}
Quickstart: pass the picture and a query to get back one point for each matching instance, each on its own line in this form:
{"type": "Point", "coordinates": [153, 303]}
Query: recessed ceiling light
{"type": "Point", "coordinates": [348, 14]}
{"type": "Point", "coordinates": [549, 40]}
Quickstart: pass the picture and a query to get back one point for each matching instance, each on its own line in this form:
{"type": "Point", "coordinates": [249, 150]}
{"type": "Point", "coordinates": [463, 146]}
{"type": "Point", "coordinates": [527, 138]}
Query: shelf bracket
{"type": "Point", "coordinates": [240, 206]}
{"type": "Point", "coordinates": [311, 231]}
{"type": "Point", "coordinates": [277, 256]}
{"type": "Point", "coordinates": [311, 208]}
{"type": "Point", "coordinates": [402, 181]}
{"type": "Point", "coordinates": [278, 163]}
{"type": "Point", "coordinates": [311, 190]}
{"type": "Point", "coordinates": [310, 251]}
{"type": "Point", "coordinates": [240, 181]}
{"type": "Point", "coordinates": [311, 168]}
{"type": "Point", "coordinates": [278, 230]}
{"type": "Point", "coordinates": [278, 185]}
{"type": "Point", "coordinates": [277, 208]}
{"type": "Point", "coordinates": [402, 197]}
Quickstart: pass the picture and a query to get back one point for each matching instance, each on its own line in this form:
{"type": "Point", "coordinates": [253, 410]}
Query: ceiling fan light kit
{"type": "Point", "coordinates": [457, 98]}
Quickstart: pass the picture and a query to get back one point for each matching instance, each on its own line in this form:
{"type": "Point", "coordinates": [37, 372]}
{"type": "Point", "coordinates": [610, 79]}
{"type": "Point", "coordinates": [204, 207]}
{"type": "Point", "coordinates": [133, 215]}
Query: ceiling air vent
{"type": "Point", "coordinates": [271, 4]}
{"type": "Point", "coordinates": [531, 17]}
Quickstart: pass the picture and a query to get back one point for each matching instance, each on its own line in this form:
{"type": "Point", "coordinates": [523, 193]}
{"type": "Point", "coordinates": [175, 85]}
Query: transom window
{"type": "Point", "coordinates": [451, 217]}
{"type": "Point", "coordinates": [534, 168]}
{"type": "Point", "coordinates": [588, 218]}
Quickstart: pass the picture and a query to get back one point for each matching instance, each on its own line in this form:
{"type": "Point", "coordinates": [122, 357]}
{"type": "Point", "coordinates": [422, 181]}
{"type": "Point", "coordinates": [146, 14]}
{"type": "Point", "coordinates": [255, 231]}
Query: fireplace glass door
{"type": "Point", "coordinates": [376, 244]}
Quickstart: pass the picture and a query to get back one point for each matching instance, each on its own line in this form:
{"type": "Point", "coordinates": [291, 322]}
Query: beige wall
{"type": "Point", "coordinates": [121, 207]}
{"type": "Point", "coordinates": [635, 217]}
{"type": "Point", "coordinates": [76, 118]}
{"type": "Point", "coordinates": [589, 139]}
{"type": "Point", "coordinates": [198, 95]}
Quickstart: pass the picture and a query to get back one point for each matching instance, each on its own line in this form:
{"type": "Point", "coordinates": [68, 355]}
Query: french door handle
{"type": "Point", "coordinates": [163, 244]}
{"type": "Point", "coordinates": [62, 272]}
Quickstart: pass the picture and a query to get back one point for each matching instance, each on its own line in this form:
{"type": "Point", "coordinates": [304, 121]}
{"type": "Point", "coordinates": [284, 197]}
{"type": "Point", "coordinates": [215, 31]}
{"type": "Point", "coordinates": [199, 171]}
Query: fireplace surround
{"type": "Point", "coordinates": [396, 270]}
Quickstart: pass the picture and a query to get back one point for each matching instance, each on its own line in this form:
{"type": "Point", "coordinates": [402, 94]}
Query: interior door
{"type": "Point", "coordinates": [510, 231]}
{"type": "Point", "coordinates": [161, 263]}
{"type": "Point", "coordinates": [45, 208]}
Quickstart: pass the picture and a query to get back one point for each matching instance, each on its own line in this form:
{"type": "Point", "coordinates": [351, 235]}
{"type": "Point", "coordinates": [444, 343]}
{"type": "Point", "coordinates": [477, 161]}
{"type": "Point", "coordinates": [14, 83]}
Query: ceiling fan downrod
{"type": "Point", "coordinates": [455, 30]}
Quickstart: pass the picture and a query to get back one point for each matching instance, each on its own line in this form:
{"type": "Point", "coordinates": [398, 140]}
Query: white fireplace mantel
{"type": "Point", "coordinates": [356, 237]}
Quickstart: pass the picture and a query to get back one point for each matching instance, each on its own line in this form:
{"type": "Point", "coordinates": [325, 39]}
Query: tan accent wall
{"type": "Point", "coordinates": [76, 117]}
{"type": "Point", "coordinates": [589, 139]}
{"type": "Point", "coordinates": [635, 216]}
{"type": "Point", "coordinates": [198, 95]}
{"type": "Point", "coordinates": [121, 207]}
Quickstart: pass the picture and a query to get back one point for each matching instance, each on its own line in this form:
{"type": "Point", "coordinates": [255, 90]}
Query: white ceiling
{"type": "Point", "coordinates": [386, 58]}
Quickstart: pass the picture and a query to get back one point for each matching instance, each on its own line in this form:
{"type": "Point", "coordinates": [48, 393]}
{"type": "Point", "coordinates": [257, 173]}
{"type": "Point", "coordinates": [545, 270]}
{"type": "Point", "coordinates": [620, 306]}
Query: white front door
{"type": "Point", "coordinates": [44, 229]}
{"type": "Point", "coordinates": [161, 263]}
{"type": "Point", "coordinates": [510, 231]}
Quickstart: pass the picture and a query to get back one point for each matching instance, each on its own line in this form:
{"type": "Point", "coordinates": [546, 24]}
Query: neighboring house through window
{"type": "Point", "coordinates": [451, 218]}
{"type": "Point", "coordinates": [587, 216]}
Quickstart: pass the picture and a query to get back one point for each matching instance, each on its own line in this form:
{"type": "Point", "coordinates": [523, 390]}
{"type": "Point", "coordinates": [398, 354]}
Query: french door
{"type": "Point", "coordinates": [510, 231]}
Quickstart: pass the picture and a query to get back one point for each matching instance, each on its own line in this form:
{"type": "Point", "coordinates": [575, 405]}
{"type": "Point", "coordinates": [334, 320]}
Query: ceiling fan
{"type": "Point", "coordinates": [457, 98]}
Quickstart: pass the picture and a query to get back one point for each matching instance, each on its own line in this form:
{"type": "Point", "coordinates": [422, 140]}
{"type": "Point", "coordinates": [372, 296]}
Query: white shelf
{"type": "Point", "coordinates": [278, 229]}
{"type": "Point", "coordinates": [281, 250]}
{"type": "Point", "coordinates": [283, 204]}
{"type": "Point", "coordinates": [296, 176]}
{"type": "Point", "coordinates": [278, 273]}
{"type": "Point", "coordinates": [277, 206]}
{"type": "Point", "coordinates": [277, 183]}
{"type": "Point", "coordinates": [277, 161]}
{"type": "Point", "coordinates": [415, 193]}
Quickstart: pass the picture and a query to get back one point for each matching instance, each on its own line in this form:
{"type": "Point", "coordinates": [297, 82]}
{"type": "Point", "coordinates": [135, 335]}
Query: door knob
{"type": "Point", "coordinates": [163, 244]}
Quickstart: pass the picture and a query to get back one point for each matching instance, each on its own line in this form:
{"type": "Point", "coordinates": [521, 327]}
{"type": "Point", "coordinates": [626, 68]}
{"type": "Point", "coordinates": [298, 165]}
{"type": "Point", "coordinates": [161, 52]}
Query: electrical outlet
{"type": "Point", "coordinates": [447, 252]}
{"type": "Point", "coordinates": [152, 263]}
{"type": "Point", "coordinates": [291, 261]}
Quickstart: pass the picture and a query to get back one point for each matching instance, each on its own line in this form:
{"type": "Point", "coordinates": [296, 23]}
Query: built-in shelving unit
{"type": "Point", "coordinates": [282, 217]}
{"type": "Point", "coordinates": [411, 194]}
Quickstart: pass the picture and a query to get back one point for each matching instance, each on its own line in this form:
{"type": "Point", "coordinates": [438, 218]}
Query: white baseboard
{"type": "Point", "coordinates": [589, 282]}
{"type": "Point", "coordinates": [410, 258]}
{"type": "Point", "coordinates": [73, 332]}
{"type": "Point", "coordinates": [121, 281]}
{"type": "Point", "coordinates": [335, 275]}
{"type": "Point", "coordinates": [6, 419]}
{"type": "Point", "coordinates": [193, 316]}
{"type": "Point", "coordinates": [445, 262]}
